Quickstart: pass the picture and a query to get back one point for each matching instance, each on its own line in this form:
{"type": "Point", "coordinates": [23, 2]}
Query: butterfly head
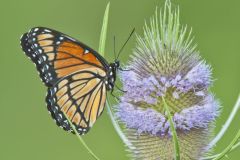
{"type": "Point", "coordinates": [114, 67]}
{"type": "Point", "coordinates": [117, 64]}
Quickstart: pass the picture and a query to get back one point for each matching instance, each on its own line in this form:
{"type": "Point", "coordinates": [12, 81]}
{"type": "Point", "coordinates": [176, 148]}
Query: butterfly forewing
{"type": "Point", "coordinates": [57, 55]}
{"type": "Point", "coordinates": [74, 73]}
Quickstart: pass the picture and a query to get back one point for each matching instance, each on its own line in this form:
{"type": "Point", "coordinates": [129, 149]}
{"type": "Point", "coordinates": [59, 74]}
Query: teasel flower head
{"type": "Point", "coordinates": [166, 66]}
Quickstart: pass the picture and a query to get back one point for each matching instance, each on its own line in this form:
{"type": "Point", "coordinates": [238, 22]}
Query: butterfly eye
{"type": "Point", "coordinates": [117, 64]}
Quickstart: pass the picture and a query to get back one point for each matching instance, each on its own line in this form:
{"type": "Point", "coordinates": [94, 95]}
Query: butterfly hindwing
{"type": "Point", "coordinates": [57, 55]}
{"type": "Point", "coordinates": [81, 96]}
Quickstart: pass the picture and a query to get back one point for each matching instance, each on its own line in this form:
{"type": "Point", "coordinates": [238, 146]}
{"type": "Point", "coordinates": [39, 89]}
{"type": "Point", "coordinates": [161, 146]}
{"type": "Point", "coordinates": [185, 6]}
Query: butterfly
{"type": "Point", "coordinates": [77, 77]}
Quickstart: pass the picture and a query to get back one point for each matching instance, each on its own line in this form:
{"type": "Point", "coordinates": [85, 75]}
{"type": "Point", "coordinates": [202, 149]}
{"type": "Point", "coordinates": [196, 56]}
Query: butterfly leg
{"type": "Point", "coordinates": [121, 69]}
{"type": "Point", "coordinates": [115, 96]}
{"type": "Point", "coordinates": [120, 89]}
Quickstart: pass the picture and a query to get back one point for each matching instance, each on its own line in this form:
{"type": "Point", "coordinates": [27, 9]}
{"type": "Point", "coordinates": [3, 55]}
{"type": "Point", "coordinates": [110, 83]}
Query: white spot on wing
{"type": "Point", "coordinates": [44, 58]}
{"type": "Point", "coordinates": [39, 61]}
{"type": "Point", "coordinates": [60, 115]}
{"type": "Point", "coordinates": [46, 30]}
{"type": "Point", "coordinates": [86, 51]}
{"type": "Point", "coordinates": [71, 38]}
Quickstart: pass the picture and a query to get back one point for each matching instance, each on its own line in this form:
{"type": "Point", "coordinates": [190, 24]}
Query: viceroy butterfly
{"type": "Point", "coordinates": [77, 77]}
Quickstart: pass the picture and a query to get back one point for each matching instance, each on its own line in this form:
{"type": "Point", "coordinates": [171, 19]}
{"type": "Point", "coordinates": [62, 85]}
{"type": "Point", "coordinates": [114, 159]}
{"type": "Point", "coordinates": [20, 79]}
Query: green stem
{"type": "Point", "coordinates": [173, 130]}
{"type": "Point", "coordinates": [226, 125]}
{"type": "Point", "coordinates": [223, 130]}
{"type": "Point", "coordinates": [233, 145]}
{"type": "Point", "coordinates": [80, 138]}
{"type": "Point", "coordinates": [229, 147]}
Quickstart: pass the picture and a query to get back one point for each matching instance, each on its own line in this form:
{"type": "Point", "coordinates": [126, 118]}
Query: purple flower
{"type": "Point", "coordinates": [165, 65]}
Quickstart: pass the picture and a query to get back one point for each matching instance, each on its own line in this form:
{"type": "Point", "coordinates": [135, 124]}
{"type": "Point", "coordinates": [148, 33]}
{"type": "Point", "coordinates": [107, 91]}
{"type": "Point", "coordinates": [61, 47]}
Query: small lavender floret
{"type": "Point", "coordinates": [142, 88]}
{"type": "Point", "coordinates": [153, 122]}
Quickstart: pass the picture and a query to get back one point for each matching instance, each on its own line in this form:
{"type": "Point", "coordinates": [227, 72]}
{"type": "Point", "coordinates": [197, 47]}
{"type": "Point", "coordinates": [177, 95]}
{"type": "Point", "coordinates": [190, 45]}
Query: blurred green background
{"type": "Point", "coordinates": [27, 130]}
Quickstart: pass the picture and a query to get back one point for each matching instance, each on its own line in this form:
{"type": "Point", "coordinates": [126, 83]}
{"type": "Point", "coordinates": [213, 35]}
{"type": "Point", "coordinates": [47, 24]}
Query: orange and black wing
{"type": "Point", "coordinates": [57, 55]}
{"type": "Point", "coordinates": [81, 96]}
{"type": "Point", "coordinates": [74, 73]}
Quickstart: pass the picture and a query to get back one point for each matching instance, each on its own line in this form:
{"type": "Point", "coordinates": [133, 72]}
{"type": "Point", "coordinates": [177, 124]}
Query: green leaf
{"type": "Point", "coordinates": [103, 34]}
{"type": "Point", "coordinates": [81, 139]}
{"type": "Point", "coordinates": [101, 50]}
{"type": "Point", "coordinates": [117, 126]}
{"type": "Point", "coordinates": [174, 133]}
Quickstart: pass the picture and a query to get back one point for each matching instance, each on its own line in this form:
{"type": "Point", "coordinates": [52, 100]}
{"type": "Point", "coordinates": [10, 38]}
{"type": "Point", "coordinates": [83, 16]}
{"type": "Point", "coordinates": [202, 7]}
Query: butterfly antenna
{"type": "Point", "coordinates": [125, 43]}
{"type": "Point", "coordinates": [114, 46]}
